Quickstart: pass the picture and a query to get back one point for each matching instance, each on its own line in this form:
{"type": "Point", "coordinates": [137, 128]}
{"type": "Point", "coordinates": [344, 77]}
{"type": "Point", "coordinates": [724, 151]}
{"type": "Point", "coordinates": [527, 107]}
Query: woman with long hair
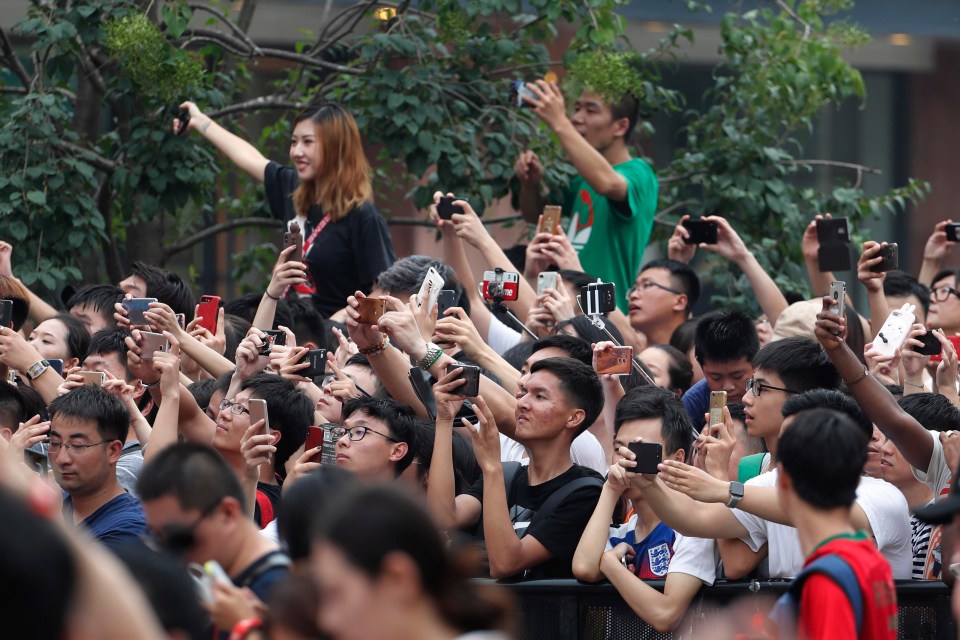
{"type": "Point", "coordinates": [328, 192]}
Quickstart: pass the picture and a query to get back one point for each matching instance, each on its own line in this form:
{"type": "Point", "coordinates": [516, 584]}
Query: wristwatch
{"type": "Point", "coordinates": [432, 355]}
{"type": "Point", "coordinates": [36, 369]}
{"type": "Point", "coordinates": [736, 494]}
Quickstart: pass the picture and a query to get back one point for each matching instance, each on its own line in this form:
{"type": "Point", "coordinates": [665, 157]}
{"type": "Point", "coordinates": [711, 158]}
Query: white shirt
{"type": "Point", "coordinates": [585, 451]}
{"type": "Point", "coordinates": [500, 337]}
{"type": "Point", "coordinates": [937, 475]}
{"type": "Point", "coordinates": [694, 557]}
{"type": "Point", "coordinates": [885, 508]}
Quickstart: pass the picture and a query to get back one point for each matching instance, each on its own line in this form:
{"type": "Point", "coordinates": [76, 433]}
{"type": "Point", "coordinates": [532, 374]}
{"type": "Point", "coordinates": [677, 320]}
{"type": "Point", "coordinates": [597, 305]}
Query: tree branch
{"type": "Point", "coordinates": [237, 31]}
{"type": "Point", "coordinates": [422, 222]}
{"type": "Point", "coordinates": [835, 163]}
{"type": "Point", "coordinates": [19, 90]}
{"type": "Point", "coordinates": [660, 218]}
{"type": "Point", "coordinates": [13, 60]}
{"type": "Point", "coordinates": [100, 162]}
{"type": "Point", "coordinates": [263, 102]}
{"type": "Point", "coordinates": [211, 231]}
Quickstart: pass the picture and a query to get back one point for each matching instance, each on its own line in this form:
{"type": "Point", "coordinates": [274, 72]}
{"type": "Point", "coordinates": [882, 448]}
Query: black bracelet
{"type": "Point", "coordinates": [267, 293]}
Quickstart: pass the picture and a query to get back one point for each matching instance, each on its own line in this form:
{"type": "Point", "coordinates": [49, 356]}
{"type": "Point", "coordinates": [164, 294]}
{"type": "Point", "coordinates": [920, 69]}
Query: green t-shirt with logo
{"type": "Point", "coordinates": [610, 239]}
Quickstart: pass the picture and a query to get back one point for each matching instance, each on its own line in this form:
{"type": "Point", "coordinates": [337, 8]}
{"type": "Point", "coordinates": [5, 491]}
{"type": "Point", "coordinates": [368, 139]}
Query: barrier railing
{"type": "Point", "coordinates": [568, 610]}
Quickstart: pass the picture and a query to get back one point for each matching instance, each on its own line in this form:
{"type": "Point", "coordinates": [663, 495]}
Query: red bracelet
{"type": "Point", "coordinates": [244, 627]}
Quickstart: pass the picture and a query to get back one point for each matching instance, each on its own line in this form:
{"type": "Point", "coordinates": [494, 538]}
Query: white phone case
{"type": "Point", "coordinates": [895, 330]}
{"type": "Point", "coordinates": [547, 280]}
{"type": "Point", "coordinates": [430, 290]}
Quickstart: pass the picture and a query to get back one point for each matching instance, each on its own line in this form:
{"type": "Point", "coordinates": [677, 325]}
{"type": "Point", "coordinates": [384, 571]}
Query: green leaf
{"type": "Point", "coordinates": [37, 197]}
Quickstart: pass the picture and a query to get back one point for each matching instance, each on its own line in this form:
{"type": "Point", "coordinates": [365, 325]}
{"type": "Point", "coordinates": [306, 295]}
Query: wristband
{"type": "Point", "coordinates": [377, 348]}
{"type": "Point", "coordinates": [267, 293]}
{"type": "Point", "coordinates": [432, 355]}
{"type": "Point", "coordinates": [863, 375]}
{"type": "Point", "coordinates": [243, 628]}
{"type": "Point", "coordinates": [910, 384]}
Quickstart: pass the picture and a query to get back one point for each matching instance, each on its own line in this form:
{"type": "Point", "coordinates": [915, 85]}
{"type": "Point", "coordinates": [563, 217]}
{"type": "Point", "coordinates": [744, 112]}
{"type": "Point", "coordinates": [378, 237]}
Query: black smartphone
{"type": "Point", "coordinates": [834, 256]}
{"type": "Point", "coordinates": [597, 298]}
{"type": "Point", "coordinates": [6, 313]}
{"type": "Point", "coordinates": [472, 375]}
{"type": "Point", "coordinates": [447, 299]}
{"type": "Point", "coordinates": [931, 346]}
{"type": "Point", "coordinates": [953, 231]}
{"type": "Point", "coordinates": [57, 365]}
{"type": "Point", "coordinates": [446, 208]}
{"type": "Point", "coordinates": [274, 337]}
{"type": "Point", "coordinates": [701, 231]}
{"type": "Point", "coordinates": [184, 118]}
{"type": "Point", "coordinates": [318, 363]}
{"type": "Point", "coordinates": [890, 261]}
{"type": "Point", "coordinates": [649, 456]}
{"type": "Point", "coordinates": [831, 230]}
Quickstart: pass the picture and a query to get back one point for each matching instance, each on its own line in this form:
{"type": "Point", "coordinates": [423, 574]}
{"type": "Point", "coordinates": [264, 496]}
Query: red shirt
{"type": "Point", "coordinates": [825, 610]}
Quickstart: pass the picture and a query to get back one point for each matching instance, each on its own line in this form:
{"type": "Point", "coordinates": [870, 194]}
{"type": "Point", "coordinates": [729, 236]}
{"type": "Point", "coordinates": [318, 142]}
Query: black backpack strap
{"type": "Point", "coordinates": [274, 560]}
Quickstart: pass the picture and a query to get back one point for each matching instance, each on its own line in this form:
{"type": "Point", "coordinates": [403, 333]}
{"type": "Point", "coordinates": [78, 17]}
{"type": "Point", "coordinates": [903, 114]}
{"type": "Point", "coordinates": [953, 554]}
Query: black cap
{"type": "Point", "coordinates": [943, 510]}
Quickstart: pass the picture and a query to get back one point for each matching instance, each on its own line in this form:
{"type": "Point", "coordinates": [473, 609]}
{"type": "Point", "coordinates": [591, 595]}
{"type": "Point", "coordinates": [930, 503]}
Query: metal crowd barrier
{"type": "Point", "coordinates": [569, 610]}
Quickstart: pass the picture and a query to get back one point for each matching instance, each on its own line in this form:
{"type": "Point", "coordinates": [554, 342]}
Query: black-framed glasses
{"type": "Point", "coordinates": [178, 538]}
{"type": "Point", "coordinates": [758, 387]}
{"type": "Point", "coordinates": [54, 446]}
{"type": "Point", "coordinates": [643, 285]}
{"type": "Point", "coordinates": [356, 433]}
{"type": "Point", "coordinates": [940, 294]}
{"type": "Point", "coordinates": [235, 407]}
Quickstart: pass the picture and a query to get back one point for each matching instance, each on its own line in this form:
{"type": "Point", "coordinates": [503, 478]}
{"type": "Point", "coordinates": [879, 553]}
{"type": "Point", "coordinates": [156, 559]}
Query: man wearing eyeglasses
{"type": "Point", "coordinates": [944, 310]}
{"type": "Point", "coordinates": [87, 430]}
{"type": "Point", "coordinates": [662, 298]}
{"type": "Point", "coordinates": [377, 439]}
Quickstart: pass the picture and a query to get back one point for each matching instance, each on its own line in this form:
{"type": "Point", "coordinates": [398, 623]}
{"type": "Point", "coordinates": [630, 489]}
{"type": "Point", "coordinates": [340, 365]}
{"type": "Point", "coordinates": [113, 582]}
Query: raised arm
{"type": "Point", "coordinates": [243, 154]}
{"type": "Point", "coordinates": [934, 252]}
{"type": "Point", "coordinates": [285, 274]}
{"type": "Point", "coordinates": [529, 170]}
{"type": "Point", "coordinates": [810, 244]}
{"type": "Point", "coordinates": [593, 542]}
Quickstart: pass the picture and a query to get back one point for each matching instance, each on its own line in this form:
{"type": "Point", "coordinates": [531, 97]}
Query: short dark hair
{"type": "Point", "coordinates": [166, 286]}
{"type": "Point", "coordinates": [725, 336]}
{"type": "Point", "coordinates": [684, 337]}
{"type": "Point", "coordinates": [580, 385]}
{"type": "Point", "coordinates": [933, 411]}
{"type": "Point", "coordinates": [13, 290]}
{"type": "Point", "coordinates": [588, 331]}
{"type": "Point", "coordinates": [682, 277]}
{"type": "Point", "coordinates": [12, 408]}
{"type": "Point", "coordinates": [235, 330]}
{"type": "Point", "coordinates": [77, 338]}
{"type": "Point", "coordinates": [829, 399]}
{"type": "Point", "coordinates": [641, 403]}
{"type": "Point", "coordinates": [518, 354]}
{"type": "Point", "coordinates": [403, 278]}
{"type": "Point", "coordinates": [574, 346]}
{"type": "Point", "coordinates": [307, 322]}
{"type": "Point", "coordinates": [99, 298]}
{"type": "Point", "coordinates": [245, 308]}
{"type": "Point", "coordinates": [290, 412]}
{"type": "Point", "coordinates": [679, 368]}
{"type": "Point", "coordinates": [902, 284]}
{"type": "Point", "coordinates": [303, 502]}
{"type": "Point", "coordinates": [947, 273]}
{"type": "Point", "coordinates": [627, 106]}
{"type": "Point", "coordinates": [398, 418]}
{"type": "Point", "coordinates": [195, 474]}
{"type": "Point", "coordinates": [108, 341]}
{"type": "Point", "coordinates": [577, 279]}
{"type": "Point", "coordinates": [824, 453]}
{"type": "Point", "coordinates": [466, 470]}
{"type": "Point", "coordinates": [801, 363]}
{"type": "Point", "coordinates": [202, 391]}
{"type": "Point", "coordinates": [93, 403]}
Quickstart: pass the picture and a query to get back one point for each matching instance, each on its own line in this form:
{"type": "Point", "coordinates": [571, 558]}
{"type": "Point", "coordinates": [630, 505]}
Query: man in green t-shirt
{"type": "Point", "coordinates": [612, 202]}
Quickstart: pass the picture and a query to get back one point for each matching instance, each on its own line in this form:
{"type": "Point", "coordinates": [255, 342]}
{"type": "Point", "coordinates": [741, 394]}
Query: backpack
{"type": "Point", "coordinates": [838, 570]}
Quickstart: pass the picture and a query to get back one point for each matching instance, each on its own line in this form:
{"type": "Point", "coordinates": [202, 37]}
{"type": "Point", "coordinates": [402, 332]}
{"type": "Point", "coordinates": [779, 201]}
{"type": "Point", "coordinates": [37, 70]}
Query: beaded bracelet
{"type": "Point", "coordinates": [377, 348]}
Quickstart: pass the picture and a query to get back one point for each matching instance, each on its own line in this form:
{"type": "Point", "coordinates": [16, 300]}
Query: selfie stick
{"type": "Point", "coordinates": [597, 321]}
{"type": "Point", "coordinates": [496, 304]}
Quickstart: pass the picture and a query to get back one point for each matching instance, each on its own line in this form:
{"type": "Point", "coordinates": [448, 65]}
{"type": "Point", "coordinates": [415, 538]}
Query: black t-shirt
{"type": "Point", "coordinates": [558, 529]}
{"type": "Point", "coordinates": [272, 493]}
{"type": "Point", "coordinates": [347, 255]}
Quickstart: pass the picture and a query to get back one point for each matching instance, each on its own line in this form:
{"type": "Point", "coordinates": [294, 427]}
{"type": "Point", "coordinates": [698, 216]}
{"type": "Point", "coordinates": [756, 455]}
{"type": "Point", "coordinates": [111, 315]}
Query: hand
{"type": "Point", "coordinates": [830, 329]}
{"type": "Point", "coordinates": [365, 336]}
{"type": "Point", "coordinates": [548, 105]}
{"type": "Point", "coordinates": [122, 318]}
{"type": "Point", "coordinates": [486, 439]}
{"type": "Point", "coordinates": [938, 247]}
{"type": "Point", "coordinates": [162, 318]}
{"type": "Point", "coordinates": [167, 364]}
{"type": "Point", "coordinates": [342, 387]}
{"type": "Point", "coordinates": [286, 274]}
{"type": "Point", "coordinates": [15, 352]}
{"type": "Point", "coordinates": [810, 243]}
{"type": "Point", "coordinates": [135, 364]}
{"type": "Point", "coordinates": [29, 433]}
{"type": "Point", "coordinates": [257, 448]}
{"type": "Point", "coordinates": [249, 360]}
{"type": "Point", "coordinates": [951, 448]}
{"type": "Point", "coordinates": [468, 225]}
{"type": "Point", "coordinates": [6, 258]}
{"type": "Point", "coordinates": [541, 322]}
{"type": "Point", "coordinates": [218, 341]}
{"type": "Point", "coordinates": [445, 226]}
{"type": "Point", "coordinates": [197, 119]}
{"type": "Point", "coordinates": [628, 460]}
{"type": "Point", "coordinates": [870, 257]}
{"type": "Point", "coordinates": [914, 363]}
{"type": "Point", "coordinates": [456, 327]}
{"type": "Point", "coordinates": [729, 243]}
{"type": "Point", "coordinates": [305, 464]}
{"type": "Point", "coordinates": [448, 403]}
{"type": "Point", "coordinates": [71, 381]}
{"type": "Point", "coordinates": [529, 168]}
{"type": "Point", "coordinates": [617, 479]}
{"type": "Point", "coordinates": [883, 367]}
{"type": "Point", "coordinates": [291, 365]}
{"type": "Point", "coordinates": [696, 483]}
{"type": "Point", "coordinates": [619, 556]}
{"type": "Point", "coordinates": [230, 604]}
{"type": "Point", "coordinates": [279, 353]}
{"type": "Point", "coordinates": [400, 324]}
{"type": "Point", "coordinates": [562, 253]}
{"type": "Point", "coordinates": [346, 349]}
{"type": "Point", "coordinates": [717, 444]}
{"type": "Point", "coordinates": [677, 248]}
{"type": "Point", "coordinates": [537, 259]}
{"type": "Point", "coordinates": [947, 369]}
{"type": "Point", "coordinates": [558, 302]}
{"type": "Point", "coordinates": [119, 389]}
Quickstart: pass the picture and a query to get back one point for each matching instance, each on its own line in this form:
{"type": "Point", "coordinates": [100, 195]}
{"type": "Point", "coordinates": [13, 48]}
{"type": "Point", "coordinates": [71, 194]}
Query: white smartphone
{"type": "Point", "coordinates": [895, 330]}
{"type": "Point", "coordinates": [547, 280]}
{"type": "Point", "coordinates": [430, 290]}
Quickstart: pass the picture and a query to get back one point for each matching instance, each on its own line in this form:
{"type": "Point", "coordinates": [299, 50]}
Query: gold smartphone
{"type": "Point", "coordinates": [551, 218]}
{"type": "Point", "coordinates": [718, 400]}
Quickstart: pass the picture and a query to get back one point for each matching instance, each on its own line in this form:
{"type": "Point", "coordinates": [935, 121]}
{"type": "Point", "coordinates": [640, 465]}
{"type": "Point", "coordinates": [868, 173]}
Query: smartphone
{"type": "Point", "coordinates": [57, 365]}
{"type": "Point", "coordinates": [472, 375]}
{"type": "Point", "coordinates": [213, 569]}
{"type": "Point", "coordinates": [500, 285]}
{"type": "Point", "coordinates": [446, 208]}
{"type": "Point", "coordinates": [830, 230]}
{"type": "Point", "coordinates": [701, 231]}
{"type": "Point", "coordinates": [136, 307]}
{"type": "Point", "coordinates": [258, 411]}
{"type": "Point", "coordinates": [328, 456]}
{"type": "Point", "coordinates": [718, 400]}
{"type": "Point", "coordinates": [551, 218]}
{"type": "Point", "coordinates": [318, 363]}
{"type": "Point", "coordinates": [184, 118]}
{"type": "Point", "coordinates": [274, 337]}
{"type": "Point", "coordinates": [953, 231]}
{"type": "Point", "coordinates": [294, 238]}
{"type": "Point", "coordinates": [547, 280]}
{"type": "Point", "coordinates": [954, 340]}
{"type": "Point", "coordinates": [834, 256]}
{"type": "Point", "coordinates": [649, 456]}
{"type": "Point", "coordinates": [6, 313]}
{"type": "Point", "coordinates": [430, 290]}
{"type": "Point", "coordinates": [838, 296]}
{"type": "Point", "coordinates": [931, 346]}
{"type": "Point", "coordinates": [181, 320]}
{"type": "Point", "coordinates": [93, 378]}
{"type": "Point", "coordinates": [151, 343]}
{"type": "Point", "coordinates": [890, 259]}
{"type": "Point", "coordinates": [598, 298]}
{"type": "Point", "coordinates": [314, 438]}
{"type": "Point", "coordinates": [371, 309]}
{"type": "Point", "coordinates": [208, 310]}
{"type": "Point", "coordinates": [519, 90]}
{"type": "Point", "coordinates": [447, 299]}
{"type": "Point", "coordinates": [895, 330]}
{"type": "Point", "coordinates": [616, 362]}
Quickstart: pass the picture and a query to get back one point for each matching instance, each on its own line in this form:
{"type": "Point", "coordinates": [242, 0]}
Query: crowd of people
{"type": "Point", "coordinates": [344, 455]}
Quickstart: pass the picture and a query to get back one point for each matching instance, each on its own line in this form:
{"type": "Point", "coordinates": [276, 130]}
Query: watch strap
{"type": "Point", "coordinates": [736, 494]}
{"type": "Point", "coordinates": [35, 370]}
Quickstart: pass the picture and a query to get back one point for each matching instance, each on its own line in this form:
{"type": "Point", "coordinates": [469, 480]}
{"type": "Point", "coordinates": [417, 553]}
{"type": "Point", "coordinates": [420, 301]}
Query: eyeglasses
{"type": "Point", "coordinates": [643, 285]}
{"type": "Point", "coordinates": [940, 294]}
{"type": "Point", "coordinates": [235, 407]}
{"type": "Point", "coordinates": [357, 433]}
{"type": "Point", "coordinates": [54, 446]}
{"type": "Point", "coordinates": [178, 538]}
{"type": "Point", "coordinates": [758, 387]}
